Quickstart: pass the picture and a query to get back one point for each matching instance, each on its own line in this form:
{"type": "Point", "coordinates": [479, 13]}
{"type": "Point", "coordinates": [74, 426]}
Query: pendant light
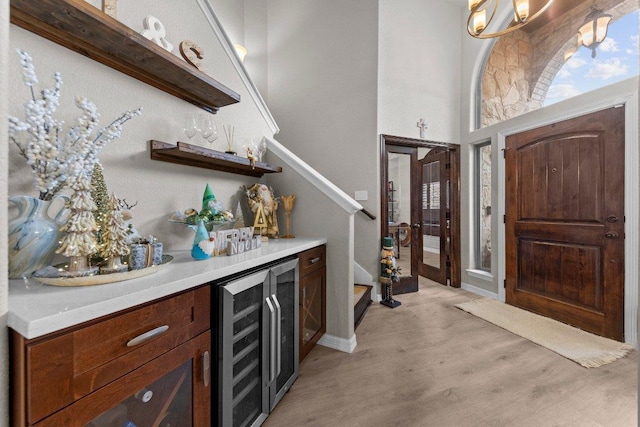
{"type": "Point", "coordinates": [594, 30]}
{"type": "Point", "coordinates": [478, 21]}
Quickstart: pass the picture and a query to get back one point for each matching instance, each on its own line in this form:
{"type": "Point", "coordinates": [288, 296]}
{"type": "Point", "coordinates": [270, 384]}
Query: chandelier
{"type": "Point", "coordinates": [594, 30]}
{"type": "Point", "coordinates": [478, 22]}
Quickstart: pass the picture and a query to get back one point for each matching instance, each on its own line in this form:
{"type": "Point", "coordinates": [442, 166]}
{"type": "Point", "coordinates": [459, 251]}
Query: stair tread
{"type": "Point", "coordinates": [359, 291]}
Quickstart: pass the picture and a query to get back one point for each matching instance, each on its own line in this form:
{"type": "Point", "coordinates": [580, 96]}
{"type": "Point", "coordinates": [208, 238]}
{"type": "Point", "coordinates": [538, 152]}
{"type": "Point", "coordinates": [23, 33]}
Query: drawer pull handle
{"type": "Point", "coordinates": [206, 368]}
{"type": "Point", "coordinates": [142, 338]}
{"type": "Point", "coordinates": [314, 260]}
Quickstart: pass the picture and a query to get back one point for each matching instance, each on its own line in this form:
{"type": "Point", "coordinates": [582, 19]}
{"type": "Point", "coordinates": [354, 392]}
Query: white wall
{"type": "Point", "coordinates": [159, 188]}
{"type": "Point", "coordinates": [337, 78]}
{"type": "Point", "coordinates": [323, 94]}
{"type": "Point", "coordinates": [4, 175]}
{"type": "Point", "coordinates": [419, 77]}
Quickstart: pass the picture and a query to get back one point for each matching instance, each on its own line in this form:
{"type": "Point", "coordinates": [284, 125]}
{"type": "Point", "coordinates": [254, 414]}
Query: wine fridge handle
{"type": "Point", "coordinates": [272, 343]}
{"type": "Point", "coordinates": [278, 334]}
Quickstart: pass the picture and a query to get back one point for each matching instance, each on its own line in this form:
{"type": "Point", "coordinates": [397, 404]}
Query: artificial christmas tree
{"type": "Point", "coordinates": [114, 238]}
{"type": "Point", "coordinates": [100, 196]}
{"type": "Point", "coordinates": [79, 242]}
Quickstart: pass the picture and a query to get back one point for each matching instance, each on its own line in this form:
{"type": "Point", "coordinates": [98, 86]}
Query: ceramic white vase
{"type": "Point", "coordinates": [33, 235]}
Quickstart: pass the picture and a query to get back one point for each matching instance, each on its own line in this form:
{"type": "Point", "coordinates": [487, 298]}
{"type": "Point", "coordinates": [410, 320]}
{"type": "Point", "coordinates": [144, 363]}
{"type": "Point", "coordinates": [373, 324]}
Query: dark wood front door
{"type": "Point", "coordinates": [565, 221]}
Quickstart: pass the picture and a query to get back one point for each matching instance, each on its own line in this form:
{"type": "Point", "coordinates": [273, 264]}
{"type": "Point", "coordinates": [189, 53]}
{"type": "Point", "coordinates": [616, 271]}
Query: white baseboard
{"type": "Point", "coordinates": [479, 291]}
{"type": "Point", "coordinates": [337, 343]}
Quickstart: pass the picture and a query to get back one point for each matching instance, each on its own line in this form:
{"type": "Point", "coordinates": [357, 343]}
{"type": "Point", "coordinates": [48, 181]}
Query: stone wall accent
{"type": "Point", "coordinates": [521, 66]}
{"type": "Point", "coordinates": [505, 85]}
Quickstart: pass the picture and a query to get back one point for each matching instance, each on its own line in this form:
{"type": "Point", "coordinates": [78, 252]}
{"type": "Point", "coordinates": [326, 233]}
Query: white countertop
{"type": "Point", "coordinates": [36, 309]}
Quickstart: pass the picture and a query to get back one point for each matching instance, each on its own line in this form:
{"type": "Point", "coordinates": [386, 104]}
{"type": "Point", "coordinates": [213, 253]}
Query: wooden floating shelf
{"type": "Point", "coordinates": [193, 155]}
{"type": "Point", "coordinates": [83, 28]}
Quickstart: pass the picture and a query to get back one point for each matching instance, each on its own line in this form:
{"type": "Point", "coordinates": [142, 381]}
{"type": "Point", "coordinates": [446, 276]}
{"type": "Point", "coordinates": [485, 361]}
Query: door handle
{"type": "Point", "coordinates": [272, 341]}
{"type": "Point", "coordinates": [611, 235]}
{"type": "Point", "coordinates": [416, 226]}
{"type": "Point", "coordinates": [206, 368]}
{"type": "Point", "coordinates": [278, 334]}
{"type": "Point", "coordinates": [147, 336]}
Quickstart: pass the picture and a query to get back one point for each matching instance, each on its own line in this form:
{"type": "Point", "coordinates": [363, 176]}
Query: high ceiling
{"type": "Point", "coordinates": [557, 8]}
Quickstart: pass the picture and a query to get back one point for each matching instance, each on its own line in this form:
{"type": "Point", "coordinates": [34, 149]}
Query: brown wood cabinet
{"type": "Point", "coordinates": [313, 297]}
{"type": "Point", "coordinates": [143, 365]}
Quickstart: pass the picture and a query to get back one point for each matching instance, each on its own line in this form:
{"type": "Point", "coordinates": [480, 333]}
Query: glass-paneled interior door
{"type": "Point", "coordinates": [435, 212]}
{"type": "Point", "coordinates": [400, 212]}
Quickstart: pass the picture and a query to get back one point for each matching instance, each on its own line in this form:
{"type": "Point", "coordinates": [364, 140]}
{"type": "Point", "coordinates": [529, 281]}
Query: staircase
{"type": "Point", "coordinates": [361, 303]}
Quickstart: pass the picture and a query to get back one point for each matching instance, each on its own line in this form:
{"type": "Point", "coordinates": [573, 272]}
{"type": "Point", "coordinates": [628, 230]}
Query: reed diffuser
{"type": "Point", "coordinates": [228, 133]}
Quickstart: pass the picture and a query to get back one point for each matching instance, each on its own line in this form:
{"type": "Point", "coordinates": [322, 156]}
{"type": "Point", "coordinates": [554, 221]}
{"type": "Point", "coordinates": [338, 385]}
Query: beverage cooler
{"type": "Point", "coordinates": [256, 344]}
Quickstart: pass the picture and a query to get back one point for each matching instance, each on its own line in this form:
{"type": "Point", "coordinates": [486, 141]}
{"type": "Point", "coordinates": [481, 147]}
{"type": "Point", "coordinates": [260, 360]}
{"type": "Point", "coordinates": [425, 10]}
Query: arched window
{"type": "Point", "coordinates": [616, 60]}
{"type": "Point", "coordinates": [527, 69]}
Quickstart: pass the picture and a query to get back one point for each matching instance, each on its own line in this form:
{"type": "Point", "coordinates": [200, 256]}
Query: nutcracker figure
{"type": "Point", "coordinates": [389, 272]}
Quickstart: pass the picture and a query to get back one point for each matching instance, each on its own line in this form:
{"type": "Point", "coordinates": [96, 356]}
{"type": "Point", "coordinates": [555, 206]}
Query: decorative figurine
{"type": "Point", "coordinates": [287, 204]}
{"type": "Point", "coordinates": [154, 30]}
{"type": "Point", "coordinates": [388, 273]}
{"type": "Point", "coordinates": [201, 248]}
{"type": "Point", "coordinates": [264, 205]}
{"type": "Point", "coordinates": [114, 238]}
{"type": "Point", "coordinates": [192, 53]}
{"type": "Point", "coordinates": [251, 157]}
{"type": "Point", "coordinates": [127, 215]}
{"type": "Point", "coordinates": [260, 220]}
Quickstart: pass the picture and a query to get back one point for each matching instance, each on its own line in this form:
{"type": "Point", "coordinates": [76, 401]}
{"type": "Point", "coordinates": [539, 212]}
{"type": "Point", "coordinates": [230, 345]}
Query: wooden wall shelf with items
{"type": "Point", "coordinates": [313, 297]}
{"type": "Point", "coordinates": [193, 155]}
{"type": "Point", "coordinates": [149, 365]}
{"type": "Point", "coordinates": [83, 28]}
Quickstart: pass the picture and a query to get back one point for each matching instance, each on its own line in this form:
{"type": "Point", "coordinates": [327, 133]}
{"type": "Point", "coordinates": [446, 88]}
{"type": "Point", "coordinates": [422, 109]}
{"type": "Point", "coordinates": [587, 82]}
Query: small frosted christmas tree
{"type": "Point", "coordinates": [114, 238]}
{"type": "Point", "coordinates": [100, 196]}
{"type": "Point", "coordinates": [80, 241]}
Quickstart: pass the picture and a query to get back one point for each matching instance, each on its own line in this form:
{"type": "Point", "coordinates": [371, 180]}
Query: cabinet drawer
{"type": "Point", "coordinates": [63, 368]}
{"type": "Point", "coordinates": [312, 260]}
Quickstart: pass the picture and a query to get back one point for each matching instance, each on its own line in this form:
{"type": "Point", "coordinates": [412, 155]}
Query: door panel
{"type": "Point", "coordinates": [565, 221]}
{"type": "Point", "coordinates": [406, 224]}
{"type": "Point", "coordinates": [434, 207]}
{"type": "Point", "coordinates": [400, 184]}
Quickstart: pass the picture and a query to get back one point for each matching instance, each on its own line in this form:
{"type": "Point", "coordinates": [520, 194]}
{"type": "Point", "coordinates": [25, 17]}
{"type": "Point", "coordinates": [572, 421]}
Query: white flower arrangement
{"type": "Point", "coordinates": [54, 155]}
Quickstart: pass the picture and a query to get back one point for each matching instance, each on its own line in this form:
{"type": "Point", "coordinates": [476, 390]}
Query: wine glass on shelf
{"type": "Point", "coordinates": [208, 129]}
{"type": "Point", "coordinates": [261, 148]}
{"type": "Point", "coordinates": [190, 127]}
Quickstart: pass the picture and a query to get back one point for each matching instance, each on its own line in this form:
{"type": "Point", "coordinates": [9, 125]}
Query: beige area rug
{"type": "Point", "coordinates": [586, 349]}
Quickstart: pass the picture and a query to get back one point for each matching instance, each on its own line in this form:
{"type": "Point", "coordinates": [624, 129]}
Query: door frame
{"type": "Point", "coordinates": [632, 201]}
{"type": "Point", "coordinates": [454, 149]}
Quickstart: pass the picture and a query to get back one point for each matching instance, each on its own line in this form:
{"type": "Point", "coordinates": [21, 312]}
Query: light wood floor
{"type": "Point", "coordinates": [427, 363]}
{"type": "Point", "coordinates": [404, 262]}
